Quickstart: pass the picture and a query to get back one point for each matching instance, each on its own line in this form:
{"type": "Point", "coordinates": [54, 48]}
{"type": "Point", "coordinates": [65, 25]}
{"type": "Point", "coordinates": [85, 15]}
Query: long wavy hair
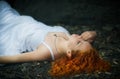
{"type": "Point", "coordinates": [80, 62]}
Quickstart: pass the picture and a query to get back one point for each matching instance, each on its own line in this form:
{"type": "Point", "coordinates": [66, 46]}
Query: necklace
{"type": "Point", "coordinates": [55, 43]}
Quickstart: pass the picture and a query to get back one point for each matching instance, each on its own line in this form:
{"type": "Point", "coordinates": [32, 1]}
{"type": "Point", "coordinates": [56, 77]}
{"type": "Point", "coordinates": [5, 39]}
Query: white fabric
{"type": "Point", "coordinates": [20, 33]}
{"type": "Point", "coordinates": [51, 52]}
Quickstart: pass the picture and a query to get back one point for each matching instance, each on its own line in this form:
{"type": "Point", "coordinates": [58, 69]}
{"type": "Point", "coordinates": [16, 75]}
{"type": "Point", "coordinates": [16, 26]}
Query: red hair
{"type": "Point", "coordinates": [80, 62]}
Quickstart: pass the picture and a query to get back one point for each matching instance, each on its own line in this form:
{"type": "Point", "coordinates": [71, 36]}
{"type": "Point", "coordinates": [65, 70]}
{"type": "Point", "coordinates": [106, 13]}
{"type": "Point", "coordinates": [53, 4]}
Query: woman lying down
{"type": "Point", "coordinates": [71, 53]}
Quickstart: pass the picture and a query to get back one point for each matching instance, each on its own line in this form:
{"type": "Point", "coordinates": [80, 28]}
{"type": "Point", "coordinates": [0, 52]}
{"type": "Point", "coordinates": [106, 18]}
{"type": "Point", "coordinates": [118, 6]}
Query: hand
{"type": "Point", "coordinates": [89, 36]}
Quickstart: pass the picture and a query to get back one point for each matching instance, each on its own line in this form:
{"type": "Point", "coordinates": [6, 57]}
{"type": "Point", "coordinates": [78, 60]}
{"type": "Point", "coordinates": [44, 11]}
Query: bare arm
{"type": "Point", "coordinates": [89, 36]}
{"type": "Point", "coordinates": [25, 57]}
{"type": "Point", "coordinates": [36, 55]}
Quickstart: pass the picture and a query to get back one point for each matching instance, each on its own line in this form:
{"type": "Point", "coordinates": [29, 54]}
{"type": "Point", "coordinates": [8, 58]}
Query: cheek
{"type": "Point", "coordinates": [85, 47]}
{"type": "Point", "coordinates": [71, 44]}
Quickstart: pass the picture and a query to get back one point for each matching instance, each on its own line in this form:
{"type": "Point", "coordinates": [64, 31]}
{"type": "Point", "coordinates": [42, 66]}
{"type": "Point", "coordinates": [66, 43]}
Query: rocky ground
{"type": "Point", "coordinates": [107, 42]}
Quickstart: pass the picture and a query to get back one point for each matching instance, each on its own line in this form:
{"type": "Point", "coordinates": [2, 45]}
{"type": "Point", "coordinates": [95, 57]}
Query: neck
{"type": "Point", "coordinates": [60, 45]}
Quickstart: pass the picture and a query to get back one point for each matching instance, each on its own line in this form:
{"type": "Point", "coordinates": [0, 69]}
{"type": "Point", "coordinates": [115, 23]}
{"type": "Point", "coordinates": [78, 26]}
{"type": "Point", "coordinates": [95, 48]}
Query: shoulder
{"type": "Point", "coordinates": [42, 52]}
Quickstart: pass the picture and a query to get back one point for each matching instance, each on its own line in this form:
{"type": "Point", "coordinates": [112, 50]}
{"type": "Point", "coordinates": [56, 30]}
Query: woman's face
{"type": "Point", "coordinates": [76, 43]}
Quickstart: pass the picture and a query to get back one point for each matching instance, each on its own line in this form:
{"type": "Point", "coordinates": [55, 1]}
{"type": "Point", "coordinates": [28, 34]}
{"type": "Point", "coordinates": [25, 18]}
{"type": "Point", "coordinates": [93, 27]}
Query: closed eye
{"type": "Point", "coordinates": [78, 42]}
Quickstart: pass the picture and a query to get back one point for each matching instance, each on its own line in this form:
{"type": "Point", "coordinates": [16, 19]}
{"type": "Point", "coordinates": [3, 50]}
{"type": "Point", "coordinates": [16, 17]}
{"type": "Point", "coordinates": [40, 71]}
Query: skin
{"type": "Point", "coordinates": [64, 44]}
{"type": "Point", "coordinates": [89, 36]}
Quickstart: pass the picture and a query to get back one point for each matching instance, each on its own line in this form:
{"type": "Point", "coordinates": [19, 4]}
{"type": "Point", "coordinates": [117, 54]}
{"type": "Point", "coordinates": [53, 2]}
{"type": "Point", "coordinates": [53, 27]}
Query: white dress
{"type": "Point", "coordinates": [20, 33]}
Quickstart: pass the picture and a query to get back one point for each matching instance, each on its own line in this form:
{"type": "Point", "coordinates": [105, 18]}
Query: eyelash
{"type": "Point", "coordinates": [78, 42]}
